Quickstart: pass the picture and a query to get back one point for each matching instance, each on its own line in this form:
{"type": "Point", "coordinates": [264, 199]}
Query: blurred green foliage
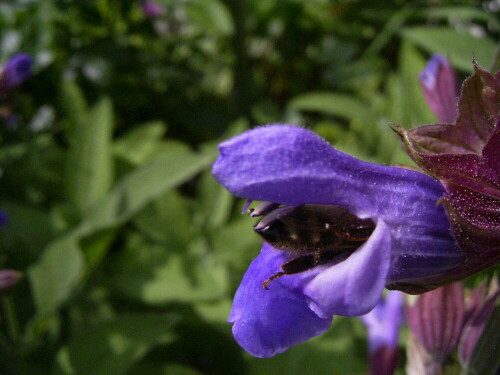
{"type": "Point", "coordinates": [131, 250]}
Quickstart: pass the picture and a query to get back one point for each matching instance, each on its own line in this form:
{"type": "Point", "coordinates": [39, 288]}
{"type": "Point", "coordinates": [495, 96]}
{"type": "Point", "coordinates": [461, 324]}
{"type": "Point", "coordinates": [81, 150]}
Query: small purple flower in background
{"type": "Point", "coordinates": [15, 71]}
{"type": "Point", "coordinates": [383, 324]}
{"type": "Point", "coordinates": [8, 280]}
{"type": "Point", "coordinates": [291, 166]}
{"type": "Point", "coordinates": [4, 218]}
{"type": "Point", "coordinates": [439, 83]}
{"type": "Point", "coordinates": [152, 9]}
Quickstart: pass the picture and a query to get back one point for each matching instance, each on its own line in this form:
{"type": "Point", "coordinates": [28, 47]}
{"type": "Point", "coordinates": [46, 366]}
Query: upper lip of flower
{"type": "Point", "coordinates": [292, 166]}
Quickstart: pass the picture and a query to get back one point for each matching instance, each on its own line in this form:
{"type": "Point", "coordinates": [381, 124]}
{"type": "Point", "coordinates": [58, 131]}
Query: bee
{"type": "Point", "coordinates": [317, 234]}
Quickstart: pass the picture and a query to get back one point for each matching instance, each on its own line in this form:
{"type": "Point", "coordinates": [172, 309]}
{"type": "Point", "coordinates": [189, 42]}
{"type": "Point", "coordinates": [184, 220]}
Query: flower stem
{"type": "Point", "coordinates": [495, 64]}
{"type": "Point", "coordinates": [11, 322]}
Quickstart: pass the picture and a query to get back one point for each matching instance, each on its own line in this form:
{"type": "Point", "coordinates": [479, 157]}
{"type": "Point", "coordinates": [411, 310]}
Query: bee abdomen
{"type": "Point", "coordinates": [312, 228]}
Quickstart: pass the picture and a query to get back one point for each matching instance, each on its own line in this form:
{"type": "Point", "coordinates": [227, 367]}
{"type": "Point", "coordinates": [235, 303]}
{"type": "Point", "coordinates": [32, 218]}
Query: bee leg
{"type": "Point", "coordinates": [316, 257]}
{"type": "Point", "coordinates": [273, 277]}
{"type": "Point", "coordinates": [293, 266]}
{"type": "Point", "coordinates": [307, 262]}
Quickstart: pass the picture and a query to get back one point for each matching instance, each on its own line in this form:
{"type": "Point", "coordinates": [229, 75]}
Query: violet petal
{"type": "Point", "coordinates": [267, 322]}
{"type": "Point", "coordinates": [384, 322]}
{"type": "Point", "coordinates": [354, 286]}
{"type": "Point", "coordinates": [17, 70]}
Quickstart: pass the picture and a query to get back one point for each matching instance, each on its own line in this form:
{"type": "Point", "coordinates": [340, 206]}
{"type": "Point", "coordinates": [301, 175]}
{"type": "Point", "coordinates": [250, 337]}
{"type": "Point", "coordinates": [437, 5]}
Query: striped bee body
{"type": "Point", "coordinates": [318, 234]}
{"type": "Point", "coordinates": [311, 228]}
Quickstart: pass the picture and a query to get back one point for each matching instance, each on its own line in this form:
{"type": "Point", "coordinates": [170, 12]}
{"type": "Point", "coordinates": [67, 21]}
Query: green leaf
{"type": "Point", "coordinates": [392, 27]}
{"type": "Point", "coordinates": [73, 103]}
{"type": "Point", "coordinates": [140, 187]}
{"type": "Point", "coordinates": [37, 30]}
{"type": "Point", "coordinates": [112, 347]}
{"type": "Point", "coordinates": [54, 276]}
{"type": "Point", "coordinates": [140, 143]}
{"type": "Point", "coordinates": [156, 274]}
{"type": "Point", "coordinates": [26, 232]}
{"type": "Point", "coordinates": [95, 247]}
{"type": "Point", "coordinates": [211, 16]}
{"type": "Point", "coordinates": [415, 110]}
{"type": "Point", "coordinates": [166, 219]}
{"type": "Point", "coordinates": [324, 355]}
{"type": "Point", "coordinates": [154, 368]}
{"type": "Point", "coordinates": [237, 232]}
{"type": "Point", "coordinates": [214, 311]}
{"type": "Point", "coordinates": [331, 104]}
{"type": "Point", "coordinates": [215, 202]}
{"type": "Point", "coordinates": [457, 12]}
{"type": "Point", "coordinates": [458, 47]}
{"type": "Point", "coordinates": [61, 265]}
{"type": "Point", "coordinates": [89, 169]}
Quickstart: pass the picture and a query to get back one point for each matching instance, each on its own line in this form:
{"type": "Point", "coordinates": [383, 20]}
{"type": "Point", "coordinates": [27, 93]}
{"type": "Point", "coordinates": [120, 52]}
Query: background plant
{"type": "Point", "coordinates": [131, 252]}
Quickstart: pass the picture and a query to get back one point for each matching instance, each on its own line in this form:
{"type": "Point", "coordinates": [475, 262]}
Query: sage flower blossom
{"type": "Point", "coordinates": [292, 166]}
{"type": "Point", "coordinates": [16, 71]}
{"type": "Point", "coordinates": [383, 324]}
{"type": "Point", "coordinates": [152, 9]}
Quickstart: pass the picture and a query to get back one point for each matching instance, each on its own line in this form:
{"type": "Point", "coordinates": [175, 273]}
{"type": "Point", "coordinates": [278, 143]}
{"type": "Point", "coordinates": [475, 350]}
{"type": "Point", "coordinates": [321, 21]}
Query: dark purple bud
{"type": "Point", "coordinates": [436, 320]}
{"type": "Point", "coordinates": [439, 84]}
{"type": "Point", "coordinates": [8, 280]}
{"type": "Point", "coordinates": [3, 218]}
{"type": "Point", "coordinates": [384, 361]}
{"type": "Point", "coordinates": [474, 326]}
{"type": "Point", "coordinates": [16, 71]}
{"type": "Point", "coordinates": [152, 9]}
{"type": "Point", "coordinates": [465, 158]}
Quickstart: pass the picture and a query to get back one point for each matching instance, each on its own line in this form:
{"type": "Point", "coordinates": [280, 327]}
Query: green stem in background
{"type": "Point", "coordinates": [393, 26]}
{"type": "Point", "coordinates": [495, 64]}
{"type": "Point", "coordinates": [10, 317]}
{"type": "Point", "coordinates": [242, 72]}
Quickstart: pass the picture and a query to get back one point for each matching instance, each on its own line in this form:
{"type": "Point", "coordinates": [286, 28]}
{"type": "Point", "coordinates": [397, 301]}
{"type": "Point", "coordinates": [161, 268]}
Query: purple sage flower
{"type": "Point", "coordinates": [152, 9]}
{"type": "Point", "coordinates": [291, 166]}
{"type": "Point", "coordinates": [383, 324]}
{"type": "Point", "coordinates": [439, 83]}
{"type": "Point", "coordinates": [16, 71]}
